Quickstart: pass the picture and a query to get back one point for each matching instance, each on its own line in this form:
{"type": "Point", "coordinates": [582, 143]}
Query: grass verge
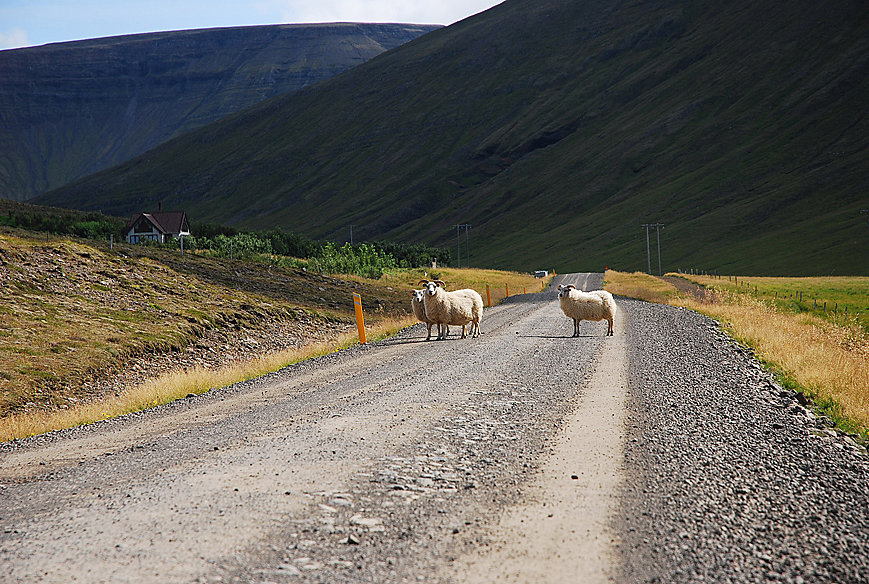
{"type": "Point", "coordinates": [826, 361]}
{"type": "Point", "coordinates": [179, 384]}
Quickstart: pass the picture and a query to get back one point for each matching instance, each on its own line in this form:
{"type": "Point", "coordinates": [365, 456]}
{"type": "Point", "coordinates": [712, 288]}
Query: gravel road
{"type": "Point", "coordinates": [663, 454]}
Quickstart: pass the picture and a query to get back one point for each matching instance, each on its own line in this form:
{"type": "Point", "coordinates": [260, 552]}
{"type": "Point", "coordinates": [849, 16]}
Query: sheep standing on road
{"type": "Point", "coordinates": [417, 303]}
{"type": "Point", "coordinates": [460, 307]}
{"type": "Point", "coordinates": [579, 305]}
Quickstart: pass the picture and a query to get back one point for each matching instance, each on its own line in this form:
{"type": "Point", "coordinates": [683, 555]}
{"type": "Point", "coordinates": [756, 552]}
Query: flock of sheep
{"type": "Point", "coordinates": [433, 305]}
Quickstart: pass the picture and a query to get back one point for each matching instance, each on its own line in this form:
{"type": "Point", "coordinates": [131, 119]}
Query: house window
{"type": "Point", "coordinates": [142, 238]}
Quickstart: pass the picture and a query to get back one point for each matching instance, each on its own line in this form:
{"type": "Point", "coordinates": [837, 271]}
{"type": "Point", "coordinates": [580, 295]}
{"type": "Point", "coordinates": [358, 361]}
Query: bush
{"type": "Point", "coordinates": [415, 255]}
{"type": "Point", "coordinates": [363, 260]}
{"type": "Point", "coordinates": [291, 244]}
{"type": "Point", "coordinates": [240, 246]}
{"type": "Point", "coordinates": [63, 222]}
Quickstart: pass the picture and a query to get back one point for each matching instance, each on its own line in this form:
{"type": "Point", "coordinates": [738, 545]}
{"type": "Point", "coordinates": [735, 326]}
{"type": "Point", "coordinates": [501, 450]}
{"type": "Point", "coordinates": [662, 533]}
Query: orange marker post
{"type": "Point", "coordinates": [488, 297]}
{"type": "Point", "coordinates": [507, 289]}
{"type": "Point", "coordinates": [360, 320]}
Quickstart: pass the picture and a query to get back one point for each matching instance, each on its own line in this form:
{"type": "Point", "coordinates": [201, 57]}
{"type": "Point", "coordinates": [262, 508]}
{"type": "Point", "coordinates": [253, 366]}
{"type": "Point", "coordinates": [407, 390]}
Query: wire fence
{"type": "Point", "coordinates": [797, 299]}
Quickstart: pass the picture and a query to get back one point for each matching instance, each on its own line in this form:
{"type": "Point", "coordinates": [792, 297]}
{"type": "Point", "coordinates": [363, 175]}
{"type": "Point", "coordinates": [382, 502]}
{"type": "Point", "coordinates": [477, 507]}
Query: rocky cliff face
{"type": "Point", "coordinates": [70, 109]}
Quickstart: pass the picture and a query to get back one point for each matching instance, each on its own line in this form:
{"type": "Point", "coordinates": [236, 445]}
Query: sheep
{"type": "Point", "coordinates": [416, 302]}
{"type": "Point", "coordinates": [476, 309]}
{"type": "Point", "coordinates": [460, 307]}
{"type": "Point", "coordinates": [595, 305]}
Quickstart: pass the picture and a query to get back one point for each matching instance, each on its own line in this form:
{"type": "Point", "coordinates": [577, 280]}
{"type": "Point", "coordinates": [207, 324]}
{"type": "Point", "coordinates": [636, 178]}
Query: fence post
{"type": "Point", "coordinates": [360, 320]}
{"type": "Point", "coordinates": [507, 289]}
{"type": "Point", "coordinates": [488, 297]}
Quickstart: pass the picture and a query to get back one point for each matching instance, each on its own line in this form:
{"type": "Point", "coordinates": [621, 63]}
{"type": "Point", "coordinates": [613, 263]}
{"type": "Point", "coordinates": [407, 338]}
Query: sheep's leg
{"type": "Point", "coordinates": [576, 322]}
{"type": "Point", "coordinates": [609, 331]}
{"type": "Point", "coordinates": [428, 338]}
{"type": "Point", "coordinates": [463, 331]}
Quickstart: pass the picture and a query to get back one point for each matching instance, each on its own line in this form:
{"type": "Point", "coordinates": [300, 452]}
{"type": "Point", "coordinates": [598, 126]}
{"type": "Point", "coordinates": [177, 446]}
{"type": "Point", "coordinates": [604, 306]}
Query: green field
{"type": "Point", "coordinates": [841, 300]}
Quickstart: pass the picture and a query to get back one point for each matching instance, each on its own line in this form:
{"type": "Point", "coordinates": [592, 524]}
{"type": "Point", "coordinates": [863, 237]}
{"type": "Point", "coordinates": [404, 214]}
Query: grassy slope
{"type": "Point", "coordinates": [72, 311]}
{"type": "Point", "coordinates": [556, 128]}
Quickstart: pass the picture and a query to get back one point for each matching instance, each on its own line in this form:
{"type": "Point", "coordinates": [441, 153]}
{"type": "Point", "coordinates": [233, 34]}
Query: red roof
{"type": "Point", "coordinates": [169, 222]}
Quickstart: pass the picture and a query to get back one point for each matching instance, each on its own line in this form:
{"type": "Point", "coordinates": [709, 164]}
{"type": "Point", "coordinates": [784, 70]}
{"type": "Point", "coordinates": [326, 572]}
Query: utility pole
{"type": "Point", "coordinates": [458, 245]}
{"type": "Point", "coordinates": [459, 228]}
{"type": "Point", "coordinates": [648, 253]}
{"type": "Point", "coordinates": [351, 233]}
{"type": "Point", "coordinates": [657, 227]}
{"type": "Point", "coordinates": [467, 246]}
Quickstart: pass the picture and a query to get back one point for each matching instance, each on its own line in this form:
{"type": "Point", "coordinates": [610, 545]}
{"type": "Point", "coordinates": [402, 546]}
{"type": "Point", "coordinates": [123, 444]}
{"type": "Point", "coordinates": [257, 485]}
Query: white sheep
{"type": "Point", "coordinates": [416, 302]}
{"type": "Point", "coordinates": [578, 305]}
{"type": "Point", "coordinates": [460, 307]}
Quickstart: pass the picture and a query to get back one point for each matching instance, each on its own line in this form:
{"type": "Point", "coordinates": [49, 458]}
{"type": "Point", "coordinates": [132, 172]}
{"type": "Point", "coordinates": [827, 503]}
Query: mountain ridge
{"type": "Point", "coordinates": [74, 108]}
{"type": "Point", "coordinates": [556, 129]}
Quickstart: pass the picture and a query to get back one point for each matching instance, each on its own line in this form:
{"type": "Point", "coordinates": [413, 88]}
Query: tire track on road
{"type": "Point", "coordinates": [565, 534]}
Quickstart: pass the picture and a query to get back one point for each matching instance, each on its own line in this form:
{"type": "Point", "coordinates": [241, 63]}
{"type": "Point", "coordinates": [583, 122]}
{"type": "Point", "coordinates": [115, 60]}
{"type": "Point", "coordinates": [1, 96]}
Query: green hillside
{"type": "Point", "coordinates": [556, 128]}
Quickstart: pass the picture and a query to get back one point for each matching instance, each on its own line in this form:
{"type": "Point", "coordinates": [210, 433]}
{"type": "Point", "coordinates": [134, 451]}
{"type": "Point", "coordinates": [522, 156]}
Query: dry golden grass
{"type": "Point", "coordinates": [68, 309]}
{"type": "Point", "coordinates": [500, 282]}
{"type": "Point", "coordinates": [640, 285]}
{"type": "Point", "coordinates": [179, 384]}
{"type": "Point", "coordinates": [828, 361]}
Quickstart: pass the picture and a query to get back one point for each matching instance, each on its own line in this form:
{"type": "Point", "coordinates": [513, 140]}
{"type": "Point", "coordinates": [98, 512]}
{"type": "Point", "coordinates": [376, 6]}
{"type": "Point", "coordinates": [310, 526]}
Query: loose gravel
{"type": "Point", "coordinates": [730, 478]}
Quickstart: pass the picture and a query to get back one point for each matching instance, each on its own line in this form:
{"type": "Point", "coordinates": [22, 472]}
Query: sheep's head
{"type": "Point", "coordinates": [417, 294]}
{"type": "Point", "coordinates": [565, 290]}
{"type": "Point", "coordinates": [431, 288]}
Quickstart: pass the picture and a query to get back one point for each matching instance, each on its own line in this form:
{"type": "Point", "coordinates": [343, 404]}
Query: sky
{"type": "Point", "coordinates": [26, 23]}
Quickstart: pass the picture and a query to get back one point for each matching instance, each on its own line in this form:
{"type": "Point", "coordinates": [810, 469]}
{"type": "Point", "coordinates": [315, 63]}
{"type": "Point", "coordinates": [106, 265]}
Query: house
{"type": "Point", "coordinates": [161, 227]}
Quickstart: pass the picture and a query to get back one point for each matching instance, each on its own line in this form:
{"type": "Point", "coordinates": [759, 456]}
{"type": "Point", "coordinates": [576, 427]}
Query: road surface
{"type": "Point", "coordinates": [662, 454]}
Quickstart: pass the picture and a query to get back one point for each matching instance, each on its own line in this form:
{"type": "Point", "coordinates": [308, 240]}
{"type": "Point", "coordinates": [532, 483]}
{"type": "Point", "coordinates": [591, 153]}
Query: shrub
{"type": "Point", "coordinates": [363, 260]}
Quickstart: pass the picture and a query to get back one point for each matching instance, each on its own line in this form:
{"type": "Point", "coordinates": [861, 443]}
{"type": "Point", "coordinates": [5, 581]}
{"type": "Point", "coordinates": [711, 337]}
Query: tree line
{"type": "Point", "coordinates": [369, 259]}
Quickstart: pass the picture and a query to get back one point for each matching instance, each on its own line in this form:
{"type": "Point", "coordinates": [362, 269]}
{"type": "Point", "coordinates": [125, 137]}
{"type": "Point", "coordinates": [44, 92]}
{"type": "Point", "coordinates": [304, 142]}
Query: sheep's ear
{"type": "Point", "coordinates": [422, 282]}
